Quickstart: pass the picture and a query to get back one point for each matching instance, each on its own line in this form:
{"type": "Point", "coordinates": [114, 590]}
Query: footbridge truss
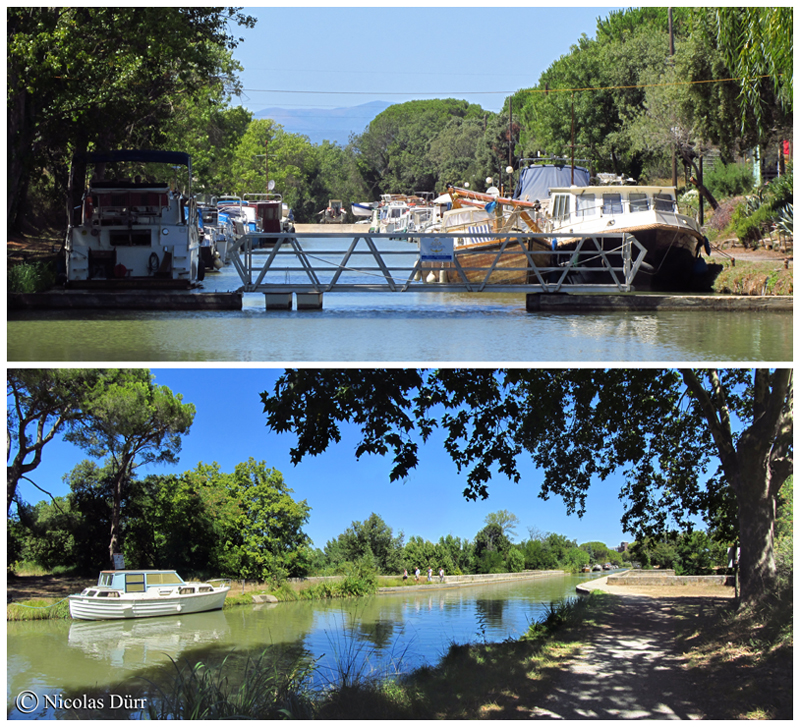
{"type": "Point", "coordinates": [282, 264]}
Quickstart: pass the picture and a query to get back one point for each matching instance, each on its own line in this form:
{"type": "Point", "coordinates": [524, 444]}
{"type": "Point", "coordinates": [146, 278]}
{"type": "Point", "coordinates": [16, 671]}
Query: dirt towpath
{"type": "Point", "coordinates": [632, 666]}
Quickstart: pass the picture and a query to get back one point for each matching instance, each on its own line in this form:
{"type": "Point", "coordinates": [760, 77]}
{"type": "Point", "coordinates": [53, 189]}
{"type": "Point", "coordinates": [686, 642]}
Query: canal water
{"type": "Point", "coordinates": [376, 636]}
{"type": "Point", "coordinates": [396, 327]}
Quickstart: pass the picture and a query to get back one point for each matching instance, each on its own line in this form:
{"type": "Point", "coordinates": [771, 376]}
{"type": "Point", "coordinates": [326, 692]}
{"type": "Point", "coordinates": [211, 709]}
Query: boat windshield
{"type": "Point", "coordinates": [663, 202]}
{"type": "Point", "coordinates": [638, 202]}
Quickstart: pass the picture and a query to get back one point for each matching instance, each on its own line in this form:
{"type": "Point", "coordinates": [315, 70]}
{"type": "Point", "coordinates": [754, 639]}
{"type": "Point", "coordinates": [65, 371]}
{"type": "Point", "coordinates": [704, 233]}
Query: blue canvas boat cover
{"type": "Point", "coordinates": [536, 181]}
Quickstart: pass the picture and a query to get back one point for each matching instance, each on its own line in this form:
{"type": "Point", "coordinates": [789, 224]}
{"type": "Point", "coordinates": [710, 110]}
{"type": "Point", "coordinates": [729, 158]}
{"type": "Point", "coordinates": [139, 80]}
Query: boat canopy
{"type": "Point", "coordinates": [536, 181]}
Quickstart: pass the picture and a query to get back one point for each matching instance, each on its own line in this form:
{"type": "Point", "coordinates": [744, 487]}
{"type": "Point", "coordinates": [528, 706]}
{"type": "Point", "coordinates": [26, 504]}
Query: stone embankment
{"type": "Point", "coordinates": [480, 579]}
{"type": "Point", "coordinates": [628, 581]}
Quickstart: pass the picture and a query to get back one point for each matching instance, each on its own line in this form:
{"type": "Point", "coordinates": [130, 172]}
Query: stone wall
{"type": "Point", "coordinates": [666, 578]}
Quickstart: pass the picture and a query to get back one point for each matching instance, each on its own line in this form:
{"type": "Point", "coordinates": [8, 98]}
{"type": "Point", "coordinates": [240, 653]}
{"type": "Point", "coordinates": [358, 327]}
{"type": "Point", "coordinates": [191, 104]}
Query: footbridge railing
{"type": "Point", "coordinates": [371, 262]}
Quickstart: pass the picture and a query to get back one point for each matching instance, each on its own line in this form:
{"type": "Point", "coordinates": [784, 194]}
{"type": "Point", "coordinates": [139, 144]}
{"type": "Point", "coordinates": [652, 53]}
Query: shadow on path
{"type": "Point", "coordinates": [630, 669]}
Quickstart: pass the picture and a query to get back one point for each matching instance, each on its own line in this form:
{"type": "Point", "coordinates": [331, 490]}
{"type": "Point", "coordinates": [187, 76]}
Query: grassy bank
{"type": "Point", "coordinates": [754, 278]}
{"type": "Point", "coordinates": [38, 609]}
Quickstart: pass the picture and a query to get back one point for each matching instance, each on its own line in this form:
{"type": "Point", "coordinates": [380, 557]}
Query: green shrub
{"type": "Point", "coordinates": [31, 277]}
{"type": "Point", "coordinates": [729, 180]}
{"type": "Point", "coordinates": [780, 191]}
{"type": "Point", "coordinates": [751, 228]}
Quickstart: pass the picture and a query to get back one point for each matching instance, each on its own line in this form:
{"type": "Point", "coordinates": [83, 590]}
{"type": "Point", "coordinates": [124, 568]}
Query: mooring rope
{"type": "Point", "coordinates": [50, 606]}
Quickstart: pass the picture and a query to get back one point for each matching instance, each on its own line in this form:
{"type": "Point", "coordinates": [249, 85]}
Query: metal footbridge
{"type": "Point", "coordinates": [307, 265]}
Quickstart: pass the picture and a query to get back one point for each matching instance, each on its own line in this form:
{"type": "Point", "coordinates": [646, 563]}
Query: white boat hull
{"type": "Point", "coordinates": [94, 608]}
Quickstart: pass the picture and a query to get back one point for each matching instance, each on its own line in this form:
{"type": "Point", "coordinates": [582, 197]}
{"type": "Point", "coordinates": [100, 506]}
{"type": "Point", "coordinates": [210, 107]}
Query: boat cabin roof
{"type": "Point", "coordinates": [610, 189]}
{"type": "Point", "coordinates": [127, 184]}
{"type": "Point", "coordinates": [132, 581]}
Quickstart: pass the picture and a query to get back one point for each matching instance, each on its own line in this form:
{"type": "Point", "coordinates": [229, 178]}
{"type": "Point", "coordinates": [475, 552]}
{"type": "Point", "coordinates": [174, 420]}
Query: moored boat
{"type": "Point", "coordinates": [334, 213]}
{"type": "Point", "coordinates": [143, 593]}
{"type": "Point", "coordinates": [138, 232]}
{"type": "Point", "coordinates": [480, 217]}
{"type": "Point", "coordinates": [673, 241]}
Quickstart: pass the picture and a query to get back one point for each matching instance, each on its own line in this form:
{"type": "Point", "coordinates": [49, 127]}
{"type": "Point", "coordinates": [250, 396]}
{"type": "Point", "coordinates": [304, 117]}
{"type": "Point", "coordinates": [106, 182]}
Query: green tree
{"type": "Point", "coordinates": [694, 554]}
{"type": "Point", "coordinates": [419, 553]}
{"type": "Point", "coordinates": [266, 539]}
{"type": "Point", "coordinates": [133, 422]}
{"type": "Point", "coordinates": [756, 43]}
{"type": "Point", "coordinates": [515, 561]}
{"type": "Point", "coordinates": [491, 549]}
{"type": "Point", "coordinates": [452, 154]}
{"type": "Point", "coordinates": [41, 404]}
{"type": "Point", "coordinates": [50, 540]}
{"type": "Point", "coordinates": [505, 520]}
{"type": "Point", "coordinates": [576, 559]}
{"type": "Point", "coordinates": [371, 537]}
{"type": "Point", "coordinates": [393, 151]}
{"type": "Point", "coordinates": [454, 554]}
{"type": "Point", "coordinates": [664, 429]}
{"type": "Point", "coordinates": [104, 77]}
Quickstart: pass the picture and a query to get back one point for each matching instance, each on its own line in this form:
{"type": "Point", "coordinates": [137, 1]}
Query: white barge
{"type": "Point", "coordinates": [144, 593]}
{"type": "Point", "coordinates": [135, 231]}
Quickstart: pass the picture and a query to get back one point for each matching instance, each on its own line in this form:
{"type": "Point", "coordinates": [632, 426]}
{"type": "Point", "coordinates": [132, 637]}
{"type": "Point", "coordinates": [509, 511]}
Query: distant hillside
{"type": "Point", "coordinates": [334, 125]}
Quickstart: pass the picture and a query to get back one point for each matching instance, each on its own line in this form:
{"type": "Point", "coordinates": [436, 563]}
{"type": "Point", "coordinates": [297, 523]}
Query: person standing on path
{"type": "Point", "coordinates": [430, 574]}
{"type": "Point", "coordinates": [441, 575]}
{"type": "Point", "coordinates": [405, 575]}
{"type": "Point", "coordinates": [416, 575]}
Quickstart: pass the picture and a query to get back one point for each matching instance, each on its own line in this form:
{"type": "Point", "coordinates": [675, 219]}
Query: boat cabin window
{"type": "Point", "coordinates": [106, 579]}
{"type": "Point", "coordinates": [612, 204]}
{"type": "Point", "coordinates": [584, 205]}
{"type": "Point", "coordinates": [638, 202]}
{"type": "Point", "coordinates": [134, 582]}
{"type": "Point", "coordinates": [167, 577]}
{"type": "Point", "coordinates": [561, 207]}
{"type": "Point", "coordinates": [663, 202]}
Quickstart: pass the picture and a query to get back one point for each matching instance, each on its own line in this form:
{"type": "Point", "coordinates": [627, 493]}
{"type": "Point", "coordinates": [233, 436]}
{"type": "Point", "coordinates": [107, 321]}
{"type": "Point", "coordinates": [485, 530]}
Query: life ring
{"type": "Point", "coordinates": [152, 262]}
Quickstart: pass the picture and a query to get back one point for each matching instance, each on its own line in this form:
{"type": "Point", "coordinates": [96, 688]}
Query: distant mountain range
{"type": "Point", "coordinates": [334, 125]}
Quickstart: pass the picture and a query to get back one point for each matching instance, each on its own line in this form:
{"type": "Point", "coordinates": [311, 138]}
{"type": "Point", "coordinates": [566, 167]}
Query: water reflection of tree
{"type": "Point", "coordinates": [489, 612]}
{"type": "Point", "coordinates": [379, 633]}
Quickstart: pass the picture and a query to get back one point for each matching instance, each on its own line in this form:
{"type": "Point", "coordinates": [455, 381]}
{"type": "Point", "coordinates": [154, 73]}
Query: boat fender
{"type": "Point", "coordinates": [201, 270]}
{"type": "Point", "coordinates": [152, 262]}
{"type": "Point", "coordinates": [706, 245]}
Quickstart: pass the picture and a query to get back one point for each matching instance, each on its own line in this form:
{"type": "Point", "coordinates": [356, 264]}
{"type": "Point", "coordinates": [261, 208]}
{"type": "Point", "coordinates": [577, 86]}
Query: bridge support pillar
{"type": "Point", "coordinates": [533, 302]}
{"type": "Point", "coordinates": [278, 301]}
{"type": "Point", "coordinates": [309, 301]}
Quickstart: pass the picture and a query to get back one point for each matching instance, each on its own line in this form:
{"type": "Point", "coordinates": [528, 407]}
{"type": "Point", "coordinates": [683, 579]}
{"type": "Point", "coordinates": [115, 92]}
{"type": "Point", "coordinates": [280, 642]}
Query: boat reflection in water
{"type": "Point", "coordinates": [133, 643]}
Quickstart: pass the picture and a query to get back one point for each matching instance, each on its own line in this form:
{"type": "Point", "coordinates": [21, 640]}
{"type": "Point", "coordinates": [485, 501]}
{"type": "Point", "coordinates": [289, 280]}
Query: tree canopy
{"type": "Point", "coordinates": [81, 76]}
{"type": "Point", "coordinates": [682, 439]}
{"type": "Point", "coordinates": [133, 422]}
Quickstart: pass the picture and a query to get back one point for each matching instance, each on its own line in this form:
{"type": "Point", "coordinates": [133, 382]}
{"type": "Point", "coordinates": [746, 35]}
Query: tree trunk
{"type": "Point", "coordinates": [115, 546]}
{"type": "Point", "coordinates": [704, 191]}
{"type": "Point", "coordinates": [756, 535]}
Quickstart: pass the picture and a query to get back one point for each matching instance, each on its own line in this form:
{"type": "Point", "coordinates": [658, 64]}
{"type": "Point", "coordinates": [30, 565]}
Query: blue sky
{"type": "Point", "coordinates": [230, 427]}
{"type": "Point", "coordinates": [340, 57]}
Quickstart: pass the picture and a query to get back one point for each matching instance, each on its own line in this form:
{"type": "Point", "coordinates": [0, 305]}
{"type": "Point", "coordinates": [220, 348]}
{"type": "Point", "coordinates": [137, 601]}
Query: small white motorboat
{"type": "Point", "coordinates": [143, 593]}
